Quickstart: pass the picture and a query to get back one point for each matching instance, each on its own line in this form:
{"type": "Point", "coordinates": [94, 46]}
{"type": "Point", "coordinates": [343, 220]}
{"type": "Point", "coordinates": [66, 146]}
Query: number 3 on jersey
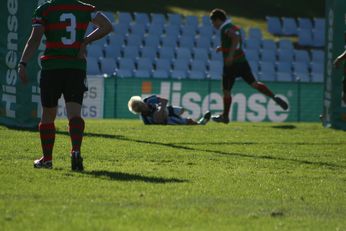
{"type": "Point", "coordinates": [70, 28]}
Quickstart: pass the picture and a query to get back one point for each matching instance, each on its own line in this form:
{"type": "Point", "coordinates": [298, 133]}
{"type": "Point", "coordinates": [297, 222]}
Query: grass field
{"type": "Point", "coordinates": [241, 176]}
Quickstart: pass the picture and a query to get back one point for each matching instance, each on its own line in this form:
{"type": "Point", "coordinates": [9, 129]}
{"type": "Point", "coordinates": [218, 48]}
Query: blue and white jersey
{"type": "Point", "coordinates": [153, 102]}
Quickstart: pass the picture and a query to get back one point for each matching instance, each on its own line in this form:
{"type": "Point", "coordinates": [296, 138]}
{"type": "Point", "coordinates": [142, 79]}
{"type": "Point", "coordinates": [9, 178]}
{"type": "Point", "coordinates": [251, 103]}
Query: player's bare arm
{"type": "Point", "coordinates": [104, 27]}
{"type": "Point", "coordinates": [30, 48]}
{"type": "Point", "coordinates": [339, 59]}
{"type": "Point", "coordinates": [235, 43]}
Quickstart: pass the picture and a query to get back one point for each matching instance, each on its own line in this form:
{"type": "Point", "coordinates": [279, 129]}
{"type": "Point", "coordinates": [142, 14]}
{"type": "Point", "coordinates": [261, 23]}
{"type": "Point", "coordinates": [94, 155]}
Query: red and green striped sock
{"type": "Point", "coordinates": [76, 130]}
{"type": "Point", "coordinates": [47, 135]}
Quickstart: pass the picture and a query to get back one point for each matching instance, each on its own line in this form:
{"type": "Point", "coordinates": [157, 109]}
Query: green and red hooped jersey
{"type": "Point", "coordinates": [226, 43]}
{"type": "Point", "coordinates": [345, 49]}
{"type": "Point", "coordinates": [65, 23]}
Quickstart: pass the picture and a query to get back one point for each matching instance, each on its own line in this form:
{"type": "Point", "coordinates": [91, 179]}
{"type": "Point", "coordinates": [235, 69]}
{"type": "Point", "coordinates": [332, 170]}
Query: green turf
{"type": "Point", "coordinates": [241, 176]}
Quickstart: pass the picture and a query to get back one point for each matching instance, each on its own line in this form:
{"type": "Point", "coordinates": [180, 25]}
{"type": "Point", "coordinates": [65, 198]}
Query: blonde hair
{"type": "Point", "coordinates": [133, 102]}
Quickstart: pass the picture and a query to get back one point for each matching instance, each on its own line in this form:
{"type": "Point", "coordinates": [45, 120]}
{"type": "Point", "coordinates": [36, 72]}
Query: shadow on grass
{"type": "Point", "coordinates": [120, 176]}
{"type": "Point", "coordinates": [284, 126]}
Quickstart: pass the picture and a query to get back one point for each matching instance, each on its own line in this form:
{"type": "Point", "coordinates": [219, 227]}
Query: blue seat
{"type": "Point", "coordinates": [126, 63]}
{"type": "Point", "coordinates": [317, 67]}
{"type": "Point", "coordinates": [183, 53]}
{"type": "Point", "coordinates": [267, 71]}
{"type": "Point", "coordinates": [319, 24]}
{"type": "Point", "coordinates": [157, 18]}
{"type": "Point", "coordinates": [188, 31]}
{"type": "Point", "coordinates": [191, 20]}
{"type": "Point", "coordinates": [181, 64]}
{"type": "Point", "coordinates": [109, 15]}
{"type": "Point", "coordinates": [144, 64]}
{"type": "Point", "coordinates": [215, 65]}
{"type": "Point", "coordinates": [148, 52]}
{"type": "Point", "coordinates": [305, 37]}
{"type": "Point", "coordinates": [205, 31]}
{"type": "Point", "coordinates": [274, 25]}
{"type": "Point", "coordinates": [155, 29]}
{"type": "Point", "coordinates": [301, 56]}
{"type": "Point", "coordinates": [121, 28]}
{"type": "Point", "coordinates": [215, 41]}
{"type": "Point", "coordinates": [186, 41]}
{"type": "Point", "coordinates": [95, 51]}
{"type": "Point", "coordinates": [206, 20]}
{"type": "Point", "coordinates": [285, 55]}
{"type": "Point", "coordinates": [268, 44]}
{"type": "Point", "coordinates": [134, 40]}
{"type": "Point", "coordinates": [252, 55]}
{"type": "Point", "coordinates": [124, 17]}
{"type": "Point", "coordinates": [304, 23]}
{"type": "Point", "coordinates": [174, 19]}
{"type": "Point", "coordinates": [284, 67]}
{"type": "Point", "coordinates": [100, 42]}
{"type": "Point", "coordinates": [92, 66]}
{"type": "Point", "coordinates": [196, 74]}
{"type": "Point", "coordinates": [152, 41]}
{"type": "Point", "coordinates": [302, 77]}
{"type": "Point", "coordinates": [116, 39]}
{"type": "Point", "coordinates": [285, 44]}
{"type": "Point", "coordinates": [318, 39]}
{"type": "Point", "coordinates": [169, 41]}
{"type": "Point", "coordinates": [172, 30]}
{"type": "Point", "coordinates": [216, 55]}
{"type": "Point", "coordinates": [108, 66]}
{"type": "Point", "coordinates": [300, 67]}
{"type": "Point", "coordinates": [284, 77]}
{"type": "Point", "coordinates": [166, 53]}
{"type": "Point", "coordinates": [142, 74]}
{"type": "Point", "coordinates": [254, 67]}
{"type": "Point", "coordinates": [254, 44]}
{"type": "Point", "coordinates": [160, 74]}
{"type": "Point", "coordinates": [198, 65]}
{"type": "Point", "coordinates": [268, 55]}
{"type": "Point", "coordinates": [317, 56]}
{"type": "Point", "coordinates": [289, 26]}
{"type": "Point", "coordinates": [203, 42]}
{"type": "Point", "coordinates": [317, 77]}
{"type": "Point", "coordinates": [178, 74]}
{"type": "Point", "coordinates": [124, 73]}
{"type": "Point", "coordinates": [141, 18]}
{"type": "Point", "coordinates": [113, 51]}
{"type": "Point", "coordinates": [138, 29]}
{"type": "Point", "coordinates": [163, 64]}
{"type": "Point", "coordinates": [255, 33]}
{"type": "Point", "coordinates": [130, 52]}
{"type": "Point", "coordinates": [200, 54]}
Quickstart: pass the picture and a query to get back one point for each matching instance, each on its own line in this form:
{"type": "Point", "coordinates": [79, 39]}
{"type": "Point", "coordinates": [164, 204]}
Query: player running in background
{"type": "Point", "coordinates": [235, 64]}
{"type": "Point", "coordinates": [154, 110]}
{"type": "Point", "coordinates": [64, 23]}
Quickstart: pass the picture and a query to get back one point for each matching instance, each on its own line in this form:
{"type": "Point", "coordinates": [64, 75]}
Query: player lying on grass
{"type": "Point", "coordinates": [154, 110]}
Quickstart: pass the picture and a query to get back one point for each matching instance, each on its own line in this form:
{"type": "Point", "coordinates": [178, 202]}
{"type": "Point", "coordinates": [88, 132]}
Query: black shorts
{"type": "Point", "coordinates": [71, 83]}
{"type": "Point", "coordinates": [230, 73]}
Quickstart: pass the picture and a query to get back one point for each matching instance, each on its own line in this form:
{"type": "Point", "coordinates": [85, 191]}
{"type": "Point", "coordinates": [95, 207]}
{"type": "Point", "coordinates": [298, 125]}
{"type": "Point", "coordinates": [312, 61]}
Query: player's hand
{"type": "Point", "coordinates": [82, 51]}
{"type": "Point", "coordinates": [218, 49]}
{"type": "Point", "coordinates": [23, 74]}
{"type": "Point", "coordinates": [228, 61]}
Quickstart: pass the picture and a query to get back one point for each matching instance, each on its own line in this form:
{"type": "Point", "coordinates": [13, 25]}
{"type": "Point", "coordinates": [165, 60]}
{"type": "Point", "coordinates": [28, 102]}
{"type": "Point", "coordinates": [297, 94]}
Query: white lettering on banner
{"type": "Point", "coordinates": [9, 89]}
{"type": "Point", "coordinates": [256, 107]}
{"type": "Point", "coordinates": [92, 102]}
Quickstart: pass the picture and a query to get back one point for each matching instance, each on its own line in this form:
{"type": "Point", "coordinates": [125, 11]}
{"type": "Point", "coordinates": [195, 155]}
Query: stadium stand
{"type": "Point", "coordinates": [176, 46]}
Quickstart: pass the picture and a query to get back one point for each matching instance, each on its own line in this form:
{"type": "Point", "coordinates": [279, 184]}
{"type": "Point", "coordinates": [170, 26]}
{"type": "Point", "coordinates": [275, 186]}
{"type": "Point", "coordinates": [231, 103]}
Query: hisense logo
{"type": "Point", "coordinates": [8, 88]}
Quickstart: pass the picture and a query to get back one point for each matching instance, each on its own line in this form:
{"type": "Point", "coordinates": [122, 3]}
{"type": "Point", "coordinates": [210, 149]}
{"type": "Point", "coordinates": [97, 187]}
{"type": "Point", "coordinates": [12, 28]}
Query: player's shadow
{"type": "Point", "coordinates": [121, 176]}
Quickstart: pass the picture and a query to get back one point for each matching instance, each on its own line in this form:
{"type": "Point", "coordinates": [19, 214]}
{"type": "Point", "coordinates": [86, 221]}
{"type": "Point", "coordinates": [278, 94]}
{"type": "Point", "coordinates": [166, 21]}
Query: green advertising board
{"type": "Point", "coordinates": [19, 104]}
{"type": "Point", "coordinates": [198, 96]}
{"type": "Point", "coordinates": [334, 110]}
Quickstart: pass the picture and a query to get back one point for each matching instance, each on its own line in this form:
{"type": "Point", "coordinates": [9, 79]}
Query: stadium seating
{"type": "Point", "coordinates": [92, 66]}
{"type": "Point", "coordinates": [95, 51]}
{"type": "Point", "coordinates": [255, 33]}
{"type": "Point", "coordinates": [148, 52]}
{"type": "Point", "coordinates": [268, 44]}
{"type": "Point", "coordinates": [130, 52]}
{"type": "Point", "coordinates": [160, 74]}
{"type": "Point", "coordinates": [301, 56]}
{"type": "Point", "coordinates": [144, 64]}
{"type": "Point", "coordinates": [289, 26]}
{"type": "Point", "coordinates": [152, 41]}
{"type": "Point", "coordinates": [163, 64]}
{"type": "Point", "coordinates": [304, 23]}
{"type": "Point", "coordinates": [142, 73]}
{"type": "Point", "coordinates": [196, 74]}
{"type": "Point", "coordinates": [181, 64]}
{"type": "Point", "coordinates": [304, 37]}
{"type": "Point", "coordinates": [108, 66]}
{"type": "Point", "coordinates": [286, 55]}
{"type": "Point", "coordinates": [274, 25]}
{"type": "Point", "coordinates": [142, 18]}
{"type": "Point", "coordinates": [200, 54]}
{"type": "Point", "coordinates": [166, 53]}
{"type": "Point", "coordinates": [113, 51]}
{"type": "Point", "coordinates": [178, 74]}
{"type": "Point", "coordinates": [268, 56]}
{"type": "Point", "coordinates": [157, 19]}
{"type": "Point", "coordinates": [124, 17]}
